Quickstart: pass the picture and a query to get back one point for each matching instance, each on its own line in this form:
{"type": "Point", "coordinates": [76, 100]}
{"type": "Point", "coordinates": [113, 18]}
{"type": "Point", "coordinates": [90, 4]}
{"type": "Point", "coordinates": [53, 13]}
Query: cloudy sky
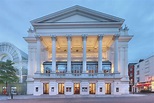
{"type": "Point", "coordinates": [138, 14]}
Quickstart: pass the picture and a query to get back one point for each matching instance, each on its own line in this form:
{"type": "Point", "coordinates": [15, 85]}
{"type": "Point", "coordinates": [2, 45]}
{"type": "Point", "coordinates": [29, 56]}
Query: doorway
{"type": "Point", "coordinates": [76, 88]}
{"type": "Point", "coordinates": [107, 88]}
{"type": "Point", "coordinates": [61, 88]}
{"type": "Point", "coordinates": [92, 88]}
{"type": "Point", "coordinates": [45, 88]}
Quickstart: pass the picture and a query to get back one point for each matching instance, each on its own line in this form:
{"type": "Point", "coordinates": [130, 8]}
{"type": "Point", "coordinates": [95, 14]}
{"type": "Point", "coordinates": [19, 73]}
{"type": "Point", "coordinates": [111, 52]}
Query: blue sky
{"type": "Point", "coordinates": [15, 17]}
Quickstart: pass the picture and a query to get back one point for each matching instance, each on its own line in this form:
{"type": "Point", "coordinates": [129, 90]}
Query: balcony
{"type": "Point", "coordinates": [82, 75]}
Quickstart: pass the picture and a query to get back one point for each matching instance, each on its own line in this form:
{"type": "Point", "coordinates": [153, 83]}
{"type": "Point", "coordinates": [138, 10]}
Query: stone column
{"type": "Point", "coordinates": [100, 53]}
{"type": "Point", "coordinates": [116, 54]}
{"type": "Point", "coordinates": [68, 54]}
{"type": "Point", "coordinates": [38, 52]}
{"type": "Point", "coordinates": [53, 54]}
{"type": "Point", "coordinates": [84, 64]}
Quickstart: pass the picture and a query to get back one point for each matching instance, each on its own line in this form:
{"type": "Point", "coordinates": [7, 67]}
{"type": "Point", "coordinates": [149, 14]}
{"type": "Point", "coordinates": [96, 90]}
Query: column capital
{"type": "Point", "coordinates": [116, 36]}
{"type": "Point", "coordinates": [53, 37]}
{"type": "Point", "coordinates": [37, 37]}
{"type": "Point", "coordinates": [100, 36]}
{"type": "Point", "coordinates": [84, 36]}
{"type": "Point", "coordinates": [69, 37]}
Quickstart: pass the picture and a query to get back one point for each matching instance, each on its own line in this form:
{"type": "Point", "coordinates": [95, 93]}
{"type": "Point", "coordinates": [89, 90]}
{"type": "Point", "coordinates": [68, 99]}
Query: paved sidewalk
{"type": "Point", "coordinates": [65, 96]}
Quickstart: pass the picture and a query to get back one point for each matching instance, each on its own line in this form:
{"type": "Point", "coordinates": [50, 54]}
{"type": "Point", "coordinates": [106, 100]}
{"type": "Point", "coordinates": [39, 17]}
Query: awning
{"type": "Point", "coordinates": [143, 84]}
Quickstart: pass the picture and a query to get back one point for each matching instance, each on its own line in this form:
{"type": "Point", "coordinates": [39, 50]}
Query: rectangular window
{"type": "Point", "coordinates": [100, 89]}
{"type": "Point", "coordinates": [138, 66]}
{"type": "Point", "coordinates": [131, 75]}
{"type": "Point", "coordinates": [138, 79]}
{"type": "Point", "coordinates": [84, 89]}
{"type": "Point", "coordinates": [138, 72]}
{"type": "Point", "coordinates": [52, 89]}
{"type": "Point", "coordinates": [36, 89]}
{"type": "Point", "coordinates": [68, 89]}
{"type": "Point", "coordinates": [117, 89]}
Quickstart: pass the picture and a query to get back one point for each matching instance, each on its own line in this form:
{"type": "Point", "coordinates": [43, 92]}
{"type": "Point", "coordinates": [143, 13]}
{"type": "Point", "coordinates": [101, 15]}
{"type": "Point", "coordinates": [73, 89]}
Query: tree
{"type": "Point", "coordinates": [7, 73]}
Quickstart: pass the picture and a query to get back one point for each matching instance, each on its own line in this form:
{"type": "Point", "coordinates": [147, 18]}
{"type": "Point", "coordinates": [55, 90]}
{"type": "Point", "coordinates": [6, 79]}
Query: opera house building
{"type": "Point", "coordinates": [78, 51]}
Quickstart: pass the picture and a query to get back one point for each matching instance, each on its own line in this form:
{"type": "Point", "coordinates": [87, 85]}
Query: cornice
{"type": "Point", "coordinates": [125, 38]}
{"type": "Point", "coordinates": [30, 39]}
{"type": "Point", "coordinates": [77, 25]}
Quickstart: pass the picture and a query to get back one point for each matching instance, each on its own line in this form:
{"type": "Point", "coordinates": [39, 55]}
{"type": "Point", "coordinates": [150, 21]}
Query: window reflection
{"type": "Point", "coordinates": [61, 68]}
{"type": "Point", "coordinates": [76, 68]}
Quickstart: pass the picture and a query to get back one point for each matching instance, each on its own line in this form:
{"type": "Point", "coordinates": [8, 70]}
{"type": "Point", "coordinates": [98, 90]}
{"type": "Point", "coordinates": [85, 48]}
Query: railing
{"type": "Point", "coordinates": [82, 75]}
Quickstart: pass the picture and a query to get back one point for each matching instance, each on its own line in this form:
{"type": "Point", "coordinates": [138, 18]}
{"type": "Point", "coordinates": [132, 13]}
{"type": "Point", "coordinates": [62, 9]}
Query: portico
{"type": "Point", "coordinates": [77, 51]}
{"type": "Point", "coordinates": [82, 51]}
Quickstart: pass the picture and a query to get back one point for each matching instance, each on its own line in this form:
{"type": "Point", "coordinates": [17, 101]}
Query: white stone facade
{"type": "Point", "coordinates": [144, 75]}
{"type": "Point", "coordinates": [78, 51]}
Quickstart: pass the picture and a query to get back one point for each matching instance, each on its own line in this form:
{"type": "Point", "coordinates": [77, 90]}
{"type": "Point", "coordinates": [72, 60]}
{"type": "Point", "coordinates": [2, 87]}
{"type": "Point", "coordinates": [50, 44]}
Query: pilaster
{"type": "Point", "coordinates": [116, 54]}
{"type": "Point", "coordinates": [38, 54]}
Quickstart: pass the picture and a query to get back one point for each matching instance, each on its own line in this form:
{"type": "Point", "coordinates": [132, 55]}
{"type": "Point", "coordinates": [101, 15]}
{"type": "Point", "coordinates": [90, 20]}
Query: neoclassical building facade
{"type": "Point", "coordinates": [78, 51]}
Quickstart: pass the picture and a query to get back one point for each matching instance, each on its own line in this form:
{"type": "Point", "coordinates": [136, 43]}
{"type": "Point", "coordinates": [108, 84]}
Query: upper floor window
{"type": "Point", "coordinates": [76, 69]}
{"type": "Point", "coordinates": [107, 68]}
{"type": "Point", "coordinates": [138, 79]}
{"type": "Point", "coordinates": [131, 75]}
{"type": "Point", "coordinates": [61, 69]}
{"type": "Point", "coordinates": [92, 69]}
{"type": "Point", "coordinates": [138, 72]}
{"type": "Point", "coordinates": [138, 66]}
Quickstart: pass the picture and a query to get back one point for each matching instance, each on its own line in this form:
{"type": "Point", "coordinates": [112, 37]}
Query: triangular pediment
{"type": "Point", "coordinates": [75, 18]}
{"type": "Point", "coordinates": [77, 14]}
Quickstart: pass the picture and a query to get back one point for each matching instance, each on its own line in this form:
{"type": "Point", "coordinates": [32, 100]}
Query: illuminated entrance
{"type": "Point", "coordinates": [107, 88]}
{"type": "Point", "coordinates": [92, 88]}
{"type": "Point", "coordinates": [76, 88]}
{"type": "Point", "coordinates": [45, 88]}
{"type": "Point", "coordinates": [61, 88]}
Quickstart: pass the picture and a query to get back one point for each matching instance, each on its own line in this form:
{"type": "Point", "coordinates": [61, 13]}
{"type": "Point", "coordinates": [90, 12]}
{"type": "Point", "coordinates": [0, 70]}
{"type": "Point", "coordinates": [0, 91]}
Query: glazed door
{"type": "Point", "coordinates": [45, 88]}
{"type": "Point", "coordinates": [92, 88]}
{"type": "Point", "coordinates": [108, 88]}
{"type": "Point", "coordinates": [76, 88]}
{"type": "Point", "coordinates": [61, 88]}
